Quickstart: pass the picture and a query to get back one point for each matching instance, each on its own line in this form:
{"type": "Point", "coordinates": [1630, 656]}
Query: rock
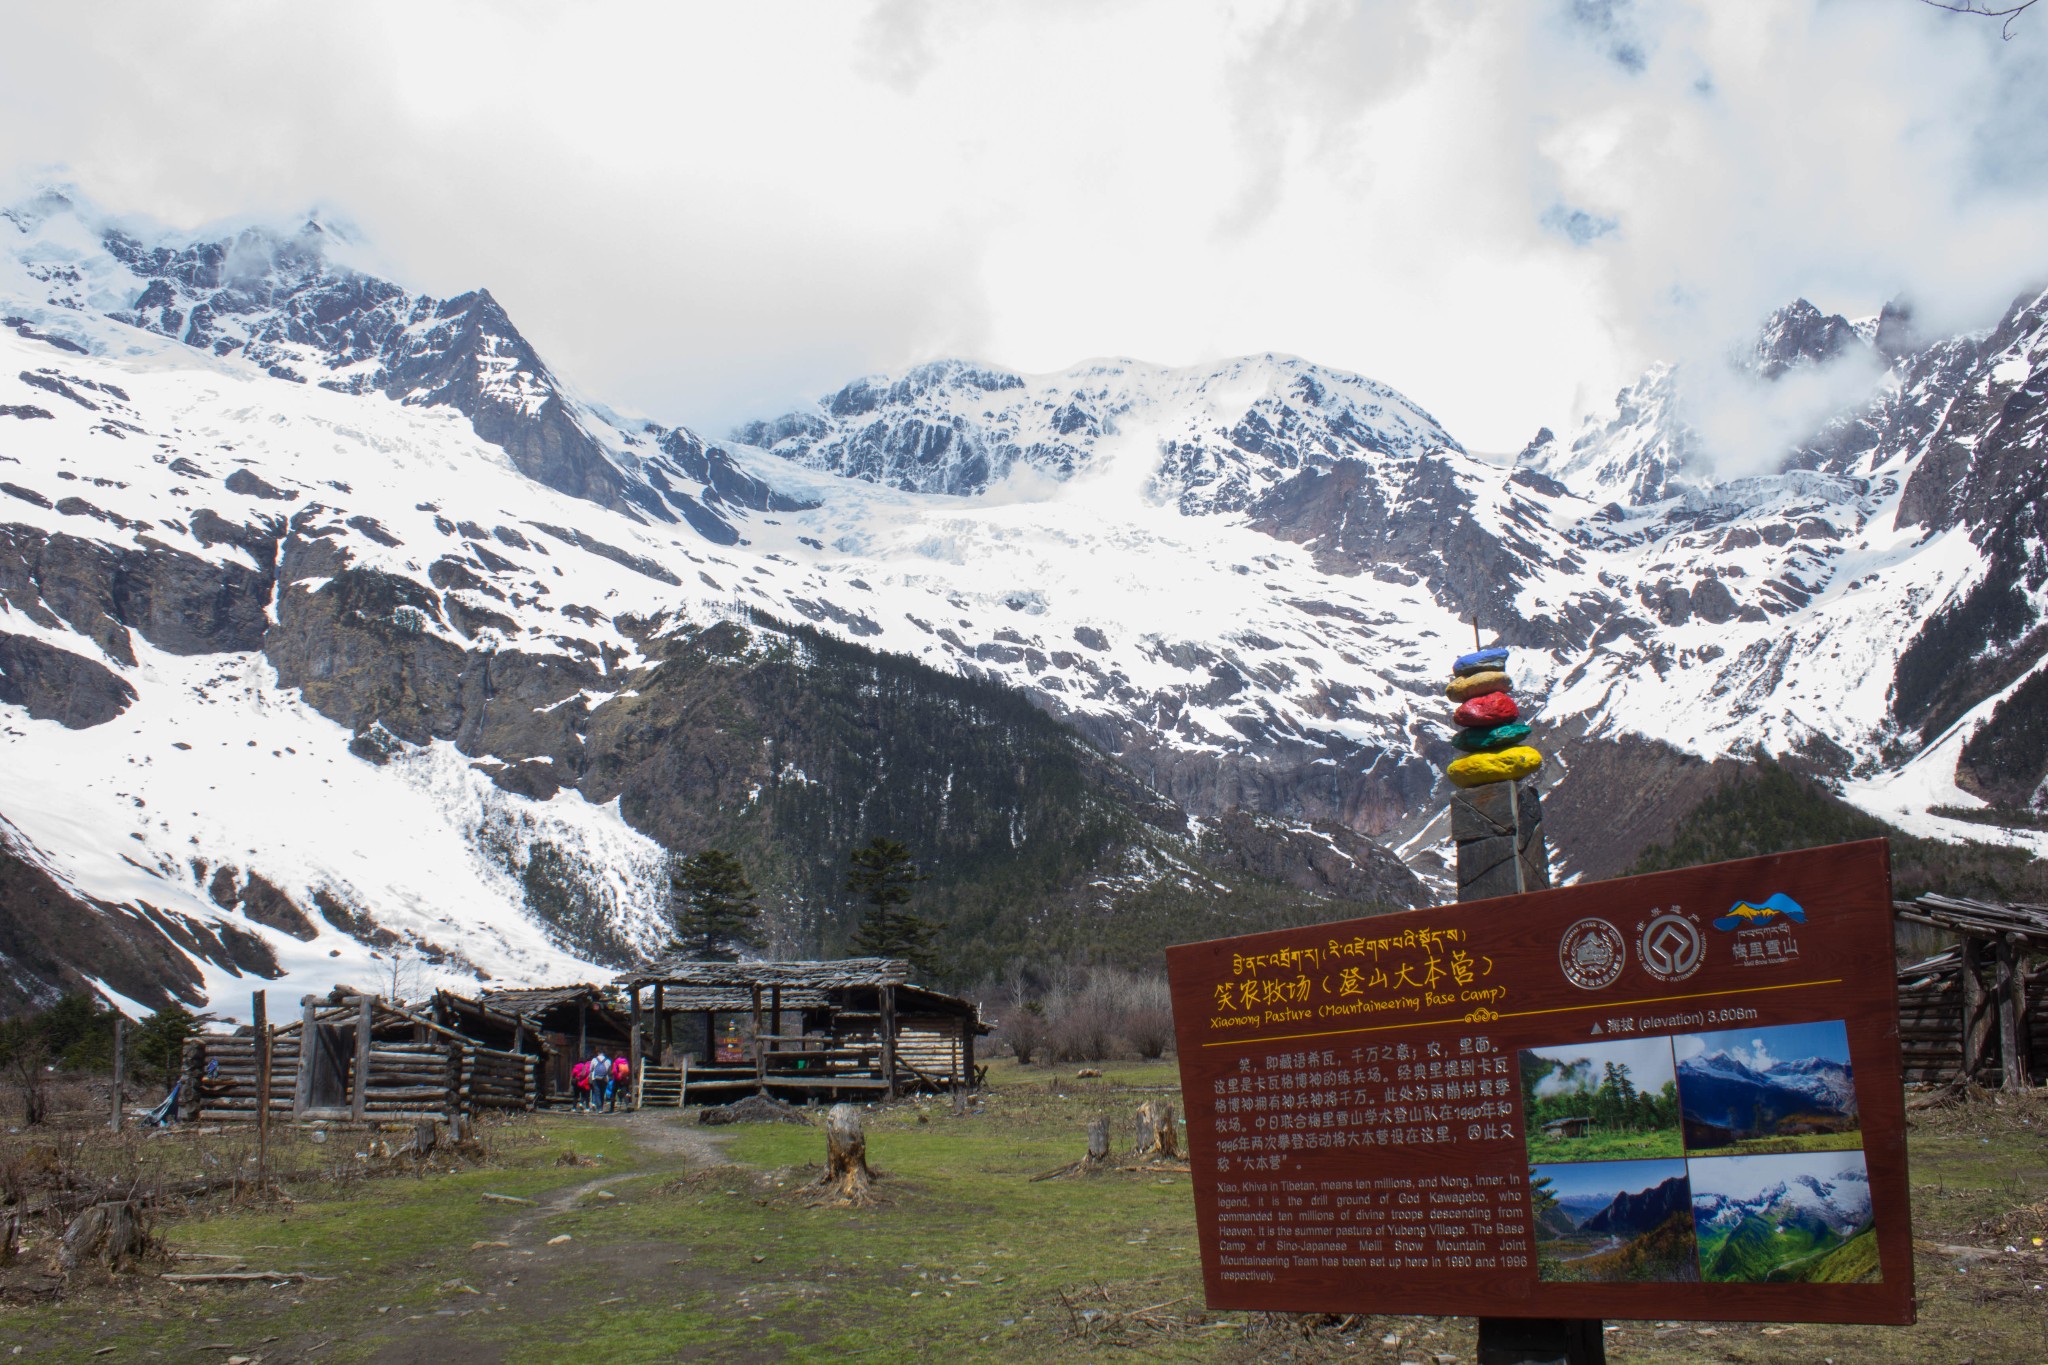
{"type": "Point", "coordinates": [1477, 685]}
{"type": "Point", "coordinates": [1480, 660]}
{"type": "Point", "coordinates": [752, 1109]}
{"type": "Point", "coordinates": [1491, 738]}
{"type": "Point", "coordinates": [55, 684]}
{"type": "Point", "coordinates": [1495, 708]}
{"type": "Point", "coordinates": [1509, 765]}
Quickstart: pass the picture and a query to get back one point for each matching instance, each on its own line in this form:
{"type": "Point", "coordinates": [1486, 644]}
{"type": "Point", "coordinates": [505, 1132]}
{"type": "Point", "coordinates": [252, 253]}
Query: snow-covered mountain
{"type": "Point", "coordinates": [365, 554]}
{"type": "Point", "coordinates": [1722, 1090]}
{"type": "Point", "coordinates": [1839, 1202]}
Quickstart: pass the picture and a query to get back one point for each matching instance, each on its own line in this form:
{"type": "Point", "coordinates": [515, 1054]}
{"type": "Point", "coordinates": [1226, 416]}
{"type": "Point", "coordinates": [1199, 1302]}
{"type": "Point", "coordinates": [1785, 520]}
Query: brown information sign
{"type": "Point", "coordinates": [1673, 1096]}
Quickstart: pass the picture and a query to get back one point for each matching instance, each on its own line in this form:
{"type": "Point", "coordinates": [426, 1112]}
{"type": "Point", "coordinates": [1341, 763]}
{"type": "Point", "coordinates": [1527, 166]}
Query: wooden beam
{"type": "Point", "coordinates": [260, 1017]}
{"type": "Point", "coordinates": [633, 1052]}
{"type": "Point", "coordinates": [760, 1057]}
{"type": "Point", "coordinates": [582, 1029]}
{"type": "Point", "coordinates": [309, 1042]}
{"type": "Point", "coordinates": [1976, 1023]}
{"type": "Point", "coordinates": [360, 1081]}
{"type": "Point", "coordinates": [967, 1053]}
{"type": "Point", "coordinates": [2012, 1008]}
{"type": "Point", "coordinates": [889, 1038]}
{"type": "Point", "coordinates": [120, 1068]}
{"type": "Point", "coordinates": [660, 1026]}
{"type": "Point", "coordinates": [774, 1014]}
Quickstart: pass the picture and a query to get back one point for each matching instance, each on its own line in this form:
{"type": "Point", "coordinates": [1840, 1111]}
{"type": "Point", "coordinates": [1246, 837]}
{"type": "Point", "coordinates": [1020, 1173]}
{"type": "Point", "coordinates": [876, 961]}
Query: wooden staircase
{"type": "Point", "coordinates": [661, 1087]}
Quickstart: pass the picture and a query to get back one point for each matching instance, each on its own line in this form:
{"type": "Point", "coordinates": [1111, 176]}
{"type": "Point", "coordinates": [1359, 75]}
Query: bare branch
{"type": "Point", "coordinates": [1982, 10]}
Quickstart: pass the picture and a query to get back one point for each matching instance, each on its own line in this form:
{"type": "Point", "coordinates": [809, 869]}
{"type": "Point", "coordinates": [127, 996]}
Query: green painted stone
{"type": "Point", "coordinates": [1492, 737]}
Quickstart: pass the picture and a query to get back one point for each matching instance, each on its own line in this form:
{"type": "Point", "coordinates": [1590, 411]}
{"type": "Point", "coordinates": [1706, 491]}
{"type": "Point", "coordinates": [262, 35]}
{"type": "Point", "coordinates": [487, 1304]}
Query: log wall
{"type": "Point", "coordinates": [440, 1079]}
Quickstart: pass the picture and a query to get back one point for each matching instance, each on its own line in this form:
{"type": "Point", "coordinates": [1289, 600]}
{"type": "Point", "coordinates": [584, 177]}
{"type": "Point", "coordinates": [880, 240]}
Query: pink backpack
{"type": "Point", "coordinates": [621, 1069]}
{"type": "Point", "coordinates": [580, 1073]}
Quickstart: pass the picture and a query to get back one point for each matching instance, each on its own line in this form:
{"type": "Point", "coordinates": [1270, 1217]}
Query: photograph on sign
{"type": "Point", "coordinates": [1670, 1096]}
{"type": "Point", "coordinates": [1603, 1101]}
{"type": "Point", "coordinates": [1784, 1089]}
{"type": "Point", "coordinates": [1800, 1217]}
{"type": "Point", "coordinates": [1614, 1221]}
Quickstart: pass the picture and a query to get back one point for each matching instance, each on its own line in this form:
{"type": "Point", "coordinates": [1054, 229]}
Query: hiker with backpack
{"type": "Point", "coordinates": [622, 1072]}
{"type": "Point", "coordinates": [579, 1077]}
{"type": "Point", "coordinates": [600, 1080]}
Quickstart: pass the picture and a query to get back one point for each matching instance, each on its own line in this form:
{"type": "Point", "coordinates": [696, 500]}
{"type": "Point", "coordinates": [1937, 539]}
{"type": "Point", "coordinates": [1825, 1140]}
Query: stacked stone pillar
{"type": "Point", "coordinates": [1497, 825]}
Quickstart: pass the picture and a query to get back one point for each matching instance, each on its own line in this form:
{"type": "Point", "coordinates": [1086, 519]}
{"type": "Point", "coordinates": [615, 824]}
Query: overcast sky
{"type": "Point", "coordinates": [708, 212]}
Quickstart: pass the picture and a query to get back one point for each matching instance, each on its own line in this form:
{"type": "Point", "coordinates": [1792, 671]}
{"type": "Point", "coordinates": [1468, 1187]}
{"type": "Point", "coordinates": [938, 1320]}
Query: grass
{"type": "Point", "coordinates": [1804, 1142]}
{"type": "Point", "coordinates": [1600, 1146]}
{"type": "Point", "coordinates": [964, 1259]}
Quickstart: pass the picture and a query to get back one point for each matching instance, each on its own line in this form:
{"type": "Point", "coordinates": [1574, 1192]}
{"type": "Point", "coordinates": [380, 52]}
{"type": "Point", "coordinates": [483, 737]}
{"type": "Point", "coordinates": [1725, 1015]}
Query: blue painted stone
{"type": "Point", "coordinates": [1491, 738]}
{"type": "Point", "coordinates": [1479, 660]}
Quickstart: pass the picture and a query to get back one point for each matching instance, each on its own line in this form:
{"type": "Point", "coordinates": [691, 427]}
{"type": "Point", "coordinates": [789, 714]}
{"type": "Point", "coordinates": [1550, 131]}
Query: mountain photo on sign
{"type": "Point", "coordinates": [1606, 1101]}
{"type": "Point", "coordinates": [1803, 1218]}
{"type": "Point", "coordinates": [1613, 1222]}
{"type": "Point", "coordinates": [1783, 1089]}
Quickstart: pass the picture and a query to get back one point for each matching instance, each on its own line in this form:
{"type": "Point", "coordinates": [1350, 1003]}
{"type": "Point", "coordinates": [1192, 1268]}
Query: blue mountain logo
{"type": "Point", "coordinates": [1762, 914]}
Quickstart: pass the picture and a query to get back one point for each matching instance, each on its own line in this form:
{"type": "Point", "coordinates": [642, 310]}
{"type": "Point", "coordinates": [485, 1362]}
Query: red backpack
{"type": "Point", "coordinates": [580, 1073]}
{"type": "Point", "coordinates": [621, 1069]}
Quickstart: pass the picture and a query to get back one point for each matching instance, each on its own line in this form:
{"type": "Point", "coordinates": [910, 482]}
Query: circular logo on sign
{"type": "Point", "coordinates": [1592, 953]}
{"type": "Point", "coordinates": [1671, 946]}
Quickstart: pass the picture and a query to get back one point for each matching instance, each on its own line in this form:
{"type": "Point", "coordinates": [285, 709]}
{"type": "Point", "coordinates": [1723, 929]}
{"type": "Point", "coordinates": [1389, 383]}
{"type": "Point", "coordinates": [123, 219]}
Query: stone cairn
{"type": "Point", "coordinates": [1496, 818]}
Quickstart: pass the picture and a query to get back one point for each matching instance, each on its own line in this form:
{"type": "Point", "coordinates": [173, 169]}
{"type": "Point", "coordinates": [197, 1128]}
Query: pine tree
{"type": "Point", "coordinates": [882, 874]}
{"type": "Point", "coordinates": [715, 907]}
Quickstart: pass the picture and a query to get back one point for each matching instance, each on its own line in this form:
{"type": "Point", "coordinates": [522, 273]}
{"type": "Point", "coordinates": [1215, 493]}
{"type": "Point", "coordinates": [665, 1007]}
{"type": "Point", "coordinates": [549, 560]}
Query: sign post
{"type": "Point", "coordinates": [1672, 1096]}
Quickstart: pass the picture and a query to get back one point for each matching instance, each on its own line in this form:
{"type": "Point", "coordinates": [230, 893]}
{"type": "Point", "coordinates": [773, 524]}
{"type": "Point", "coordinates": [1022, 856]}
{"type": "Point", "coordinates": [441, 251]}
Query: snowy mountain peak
{"type": "Point", "coordinates": [1206, 438]}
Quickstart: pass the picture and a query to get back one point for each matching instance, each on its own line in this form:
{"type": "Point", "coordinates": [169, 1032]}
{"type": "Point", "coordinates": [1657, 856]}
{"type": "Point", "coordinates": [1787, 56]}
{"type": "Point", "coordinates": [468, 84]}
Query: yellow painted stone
{"type": "Point", "coordinates": [1477, 685]}
{"type": "Point", "coordinates": [1509, 765]}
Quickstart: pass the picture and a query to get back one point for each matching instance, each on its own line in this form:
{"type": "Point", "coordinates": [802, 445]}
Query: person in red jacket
{"type": "Point", "coordinates": [622, 1072]}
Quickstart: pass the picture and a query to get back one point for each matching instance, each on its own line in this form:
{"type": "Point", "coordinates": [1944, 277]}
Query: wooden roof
{"type": "Point", "coordinates": [674, 969]}
{"type": "Point", "coordinates": [732, 1001]}
{"type": "Point", "coordinates": [538, 999]}
{"type": "Point", "coordinates": [1978, 919]}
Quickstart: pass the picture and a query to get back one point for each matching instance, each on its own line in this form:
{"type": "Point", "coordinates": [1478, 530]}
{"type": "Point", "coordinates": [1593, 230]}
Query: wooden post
{"type": "Point", "coordinates": [309, 1040]}
{"type": "Point", "coordinates": [1976, 1024]}
{"type": "Point", "coordinates": [195, 1072]}
{"type": "Point", "coordinates": [760, 1057]}
{"type": "Point", "coordinates": [889, 1038]}
{"type": "Point", "coordinates": [120, 1068]}
{"type": "Point", "coordinates": [660, 1028]}
{"type": "Point", "coordinates": [775, 1016]}
{"type": "Point", "coordinates": [1502, 851]}
{"type": "Point", "coordinates": [967, 1050]}
{"type": "Point", "coordinates": [2012, 1005]}
{"type": "Point", "coordinates": [260, 1017]}
{"type": "Point", "coordinates": [633, 1051]}
{"type": "Point", "coordinates": [359, 1083]}
{"type": "Point", "coordinates": [582, 1030]}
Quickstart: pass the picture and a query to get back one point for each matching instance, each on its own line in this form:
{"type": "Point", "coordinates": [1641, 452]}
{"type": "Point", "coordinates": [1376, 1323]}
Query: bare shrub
{"type": "Point", "coordinates": [1083, 1030]}
{"type": "Point", "coordinates": [1025, 1029]}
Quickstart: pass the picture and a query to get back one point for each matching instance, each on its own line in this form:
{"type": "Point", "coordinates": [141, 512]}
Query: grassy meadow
{"type": "Point", "coordinates": [650, 1239]}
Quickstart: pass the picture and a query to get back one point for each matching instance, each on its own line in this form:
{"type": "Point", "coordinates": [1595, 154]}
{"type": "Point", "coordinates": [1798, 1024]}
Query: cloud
{"type": "Point", "coordinates": [711, 212]}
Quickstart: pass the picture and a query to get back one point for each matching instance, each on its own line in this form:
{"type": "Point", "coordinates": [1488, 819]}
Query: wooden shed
{"type": "Point", "coordinates": [1976, 1011]}
{"type": "Point", "coordinates": [353, 1057]}
{"type": "Point", "coordinates": [1575, 1127]}
{"type": "Point", "coordinates": [811, 1030]}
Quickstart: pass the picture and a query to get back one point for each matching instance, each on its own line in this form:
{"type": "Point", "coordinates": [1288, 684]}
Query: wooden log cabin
{"type": "Point", "coordinates": [352, 1058]}
{"type": "Point", "coordinates": [561, 1026]}
{"type": "Point", "coordinates": [1979, 1011]}
{"type": "Point", "coordinates": [858, 1027]}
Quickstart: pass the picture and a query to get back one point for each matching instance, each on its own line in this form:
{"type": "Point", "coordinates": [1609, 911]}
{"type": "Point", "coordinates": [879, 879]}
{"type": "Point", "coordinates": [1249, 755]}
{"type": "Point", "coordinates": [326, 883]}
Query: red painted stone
{"type": "Point", "coordinates": [1495, 708]}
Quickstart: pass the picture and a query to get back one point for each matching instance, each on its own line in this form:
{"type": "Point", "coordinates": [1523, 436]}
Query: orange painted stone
{"type": "Point", "coordinates": [1477, 685]}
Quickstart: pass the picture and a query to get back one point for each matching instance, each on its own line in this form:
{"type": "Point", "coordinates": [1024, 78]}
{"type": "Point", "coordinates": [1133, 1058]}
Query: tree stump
{"type": "Point", "coordinates": [1158, 1132]}
{"type": "Point", "coordinates": [847, 1179]}
{"type": "Point", "coordinates": [113, 1233]}
{"type": "Point", "coordinates": [1095, 1162]}
{"type": "Point", "coordinates": [426, 1136]}
{"type": "Point", "coordinates": [10, 1238]}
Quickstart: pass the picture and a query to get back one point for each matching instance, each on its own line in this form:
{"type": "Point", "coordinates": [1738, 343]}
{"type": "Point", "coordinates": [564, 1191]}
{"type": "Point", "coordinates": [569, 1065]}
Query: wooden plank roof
{"type": "Point", "coordinates": [1978, 919]}
{"type": "Point", "coordinates": [674, 969]}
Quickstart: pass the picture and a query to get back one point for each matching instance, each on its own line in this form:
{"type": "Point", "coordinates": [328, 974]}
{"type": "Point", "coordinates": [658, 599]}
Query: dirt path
{"type": "Point", "coordinates": [518, 1275]}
